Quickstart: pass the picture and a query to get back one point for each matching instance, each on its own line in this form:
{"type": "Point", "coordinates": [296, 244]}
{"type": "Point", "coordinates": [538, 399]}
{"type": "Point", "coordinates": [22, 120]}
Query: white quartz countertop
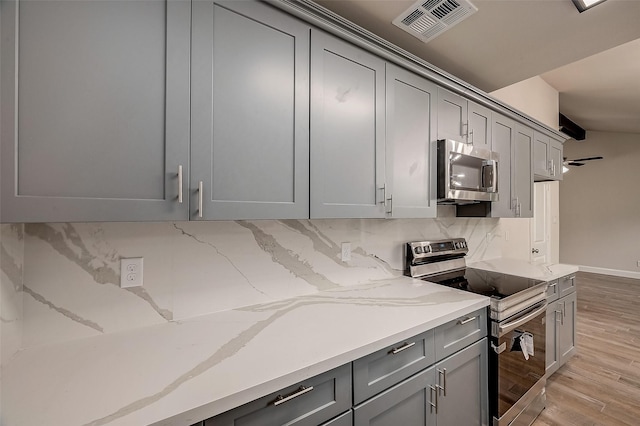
{"type": "Point", "coordinates": [544, 271]}
{"type": "Point", "coordinates": [184, 371]}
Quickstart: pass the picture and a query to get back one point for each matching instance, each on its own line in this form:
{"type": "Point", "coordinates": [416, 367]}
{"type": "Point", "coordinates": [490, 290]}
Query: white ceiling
{"type": "Point", "coordinates": [591, 58]}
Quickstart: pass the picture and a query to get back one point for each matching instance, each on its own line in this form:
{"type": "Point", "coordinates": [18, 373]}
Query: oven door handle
{"type": "Point", "coordinates": [511, 325]}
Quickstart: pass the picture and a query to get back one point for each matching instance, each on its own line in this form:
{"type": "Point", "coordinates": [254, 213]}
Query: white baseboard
{"type": "Point", "coordinates": [606, 271]}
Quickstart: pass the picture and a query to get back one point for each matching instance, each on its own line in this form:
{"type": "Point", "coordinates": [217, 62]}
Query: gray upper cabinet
{"type": "Point", "coordinates": [410, 145]}
{"type": "Point", "coordinates": [547, 158]}
{"type": "Point", "coordinates": [250, 112]}
{"type": "Point", "coordinates": [463, 120]}
{"type": "Point", "coordinates": [523, 172]}
{"type": "Point", "coordinates": [504, 139]}
{"type": "Point", "coordinates": [452, 116]}
{"type": "Point", "coordinates": [556, 156]}
{"type": "Point", "coordinates": [347, 130]}
{"type": "Point", "coordinates": [95, 110]}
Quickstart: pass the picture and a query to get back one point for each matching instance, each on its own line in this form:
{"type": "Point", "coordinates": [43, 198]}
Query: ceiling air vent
{"type": "Point", "coordinates": [428, 19]}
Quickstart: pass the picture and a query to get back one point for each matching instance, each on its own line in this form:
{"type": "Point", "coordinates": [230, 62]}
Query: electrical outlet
{"type": "Point", "coordinates": [131, 272]}
{"type": "Point", "coordinates": [638, 263]}
{"type": "Point", "coordinates": [346, 252]}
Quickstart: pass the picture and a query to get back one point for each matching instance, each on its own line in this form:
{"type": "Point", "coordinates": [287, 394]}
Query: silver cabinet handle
{"type": "Point", "coordinates": [466, 320]}
{"type": "Point", "coordinates": [384, 194]}
{"type": "Point", "coordinates": [442, 373]}
{"type": "Point", "coordinates": [180, 184]}
{"type": "Point", "coordinates": [553, 284]}
{"type": "Point", "coordinates": [301, 391]}
{"type": "Point", "coordinates": [390, 200]}
{"type": "Point", "coordinates": [399, 349]}
{"type": "Point", "coordinates": [200, 199]}
{"type": "Point", "coordinates": [471, 135]}
{"type": "Point", "coordinates": [434, 406]}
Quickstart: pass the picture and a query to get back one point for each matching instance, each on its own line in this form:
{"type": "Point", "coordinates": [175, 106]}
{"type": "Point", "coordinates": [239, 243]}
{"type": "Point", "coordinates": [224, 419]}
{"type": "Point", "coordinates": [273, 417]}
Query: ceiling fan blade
{"type": "Point", "coordinates": [587, 159]}
{"type": "Point", "coordinates": [573, 163]}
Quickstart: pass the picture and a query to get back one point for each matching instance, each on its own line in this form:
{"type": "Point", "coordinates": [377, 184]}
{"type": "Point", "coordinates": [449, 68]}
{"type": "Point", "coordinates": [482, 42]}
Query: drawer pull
{"type": "Point", "coordinates": [433, 405]}
{"type": "Point", "coordinates": [180, 184]}
{"type": "Point", "coordinates": [466, 321]}
{"type": "Point", "coordinates": [301, 391]}
{"type": "Point", "coordinates": [401, 348]}
{"type": "Point", "coordinates": [442, 373]}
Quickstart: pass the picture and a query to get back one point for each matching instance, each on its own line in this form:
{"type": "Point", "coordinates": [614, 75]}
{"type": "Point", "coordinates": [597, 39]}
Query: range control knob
{"type": "Point", "coordinates": [417, 250]}
{"type": "Point", "coordinates": [456, 245]}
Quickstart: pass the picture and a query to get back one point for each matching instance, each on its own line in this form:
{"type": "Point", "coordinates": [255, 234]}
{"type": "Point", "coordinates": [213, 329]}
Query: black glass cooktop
{"type": "Point", "coordinates": [493, 284]}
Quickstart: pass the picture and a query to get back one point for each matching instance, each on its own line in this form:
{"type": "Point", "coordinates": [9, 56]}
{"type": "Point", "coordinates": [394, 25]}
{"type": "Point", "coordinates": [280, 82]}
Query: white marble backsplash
{"type": "Point", "coordinates": [11, 271]}
{"type": "Point", "coordinates": [71, 272]}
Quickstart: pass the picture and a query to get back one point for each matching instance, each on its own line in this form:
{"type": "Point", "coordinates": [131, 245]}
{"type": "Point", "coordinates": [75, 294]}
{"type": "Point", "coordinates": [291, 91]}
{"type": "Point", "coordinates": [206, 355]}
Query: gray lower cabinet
{"type": "Point", "coordinates": [309, 403]}
{"type": "Point", "coordinates": [384, 368]}
{"type": "Point", "coordinates": [347, 130]}
{"type": "Point", "coordinates": [250, 112]}
{"type": "Point", "coordinates": [560, 323]}
{"type": "Point", "coordinates": [345, 419]}
{"type": "Point", "coordinates": [410, 145]}
{"type": "Point", "coordinates": [95, 119]}
{"type": "Point", "coordinates": [453, 392]}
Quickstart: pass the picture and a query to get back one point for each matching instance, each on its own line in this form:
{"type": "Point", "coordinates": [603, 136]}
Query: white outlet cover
{"type": "Point", "coordinates": [131, 272]}
{"type": "Point", "coordinates": [346, 252]}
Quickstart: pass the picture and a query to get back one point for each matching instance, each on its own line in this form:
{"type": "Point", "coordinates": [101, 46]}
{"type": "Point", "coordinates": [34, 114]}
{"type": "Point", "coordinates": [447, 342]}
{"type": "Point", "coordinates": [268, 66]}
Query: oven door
{"type": "Point", "coordinates": [512, 373]}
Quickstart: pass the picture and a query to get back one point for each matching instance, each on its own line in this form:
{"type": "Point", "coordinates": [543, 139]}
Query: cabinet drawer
{"type": "Point", "coordinates": [308, 403]}
{"type": "Point", "coordinates": [459, 333]}
{"type": "Point", "coordinates": [382, 369]}
{"type": "Point", "coordinates": [566, 285]}
{"type": "Point", "coordinates": [552, 291]}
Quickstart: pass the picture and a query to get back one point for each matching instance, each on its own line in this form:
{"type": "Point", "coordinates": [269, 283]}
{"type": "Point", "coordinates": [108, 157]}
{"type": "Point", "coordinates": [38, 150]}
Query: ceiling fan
{"type": "Point", "coordinates": [578, 161]}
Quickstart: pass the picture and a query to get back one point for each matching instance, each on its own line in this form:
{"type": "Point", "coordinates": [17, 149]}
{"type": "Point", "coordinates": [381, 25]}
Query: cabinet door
{"type": "Point", "coordinates": [412, 402]}
{"type": "Point", "coordinates": [504, 136]}
{"type": "Point", "coordinates": [463, 387]}
{"type": "Point", "coordinates": [452, 116]}
{"type": "Point", "coordinates": [523, 172]}
{"type": "Point", "coordinates": [555, 155]}
{"type": "Point", "coordinates": [480, 126]}
{"type": "Point", "coordinates": [250, 109]}
{"type": "Point", "coordinates": [552, 352]}
{"type": "Point", "coordinates": [567, 333]}
{"type": "Point", "coordinates": [541, 160]}
{"type": "Point", "coordinates": [411, 148]}
{"type": "Point", "coordinates": [347, 130]}
{"type": "Point", "coordinates": [95, 124]}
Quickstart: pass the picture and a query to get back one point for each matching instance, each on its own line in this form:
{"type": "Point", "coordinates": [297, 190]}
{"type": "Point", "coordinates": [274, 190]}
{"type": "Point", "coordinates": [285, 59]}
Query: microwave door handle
{"type": "Point", "coordinates": [493, 172]}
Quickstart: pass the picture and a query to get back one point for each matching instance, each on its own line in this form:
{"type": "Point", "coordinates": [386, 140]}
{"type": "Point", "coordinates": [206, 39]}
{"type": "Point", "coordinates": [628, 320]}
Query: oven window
{"type": "Point", "coordinates": [466, 172]}
{"type": "Point", "coordinates": [516, 374]}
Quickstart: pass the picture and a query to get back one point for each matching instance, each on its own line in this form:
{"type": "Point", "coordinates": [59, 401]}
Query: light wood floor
{"type": "Point", "coordinates": [600, 385]}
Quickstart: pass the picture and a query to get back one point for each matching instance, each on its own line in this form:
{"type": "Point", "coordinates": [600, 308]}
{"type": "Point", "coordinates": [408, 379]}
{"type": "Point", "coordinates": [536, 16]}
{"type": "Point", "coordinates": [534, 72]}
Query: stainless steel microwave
{"type": "Point", "coordinates": [466, 173]}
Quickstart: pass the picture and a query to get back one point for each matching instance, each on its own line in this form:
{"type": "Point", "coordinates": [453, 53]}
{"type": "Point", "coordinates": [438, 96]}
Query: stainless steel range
{"type": "Point", "coordinates": [517, 323]}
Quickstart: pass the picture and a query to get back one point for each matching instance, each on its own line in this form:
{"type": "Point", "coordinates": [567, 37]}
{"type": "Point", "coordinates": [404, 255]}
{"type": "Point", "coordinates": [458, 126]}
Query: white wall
{"type": "Point", "coordinates": [534, 97]}
{"type": "Point", "coordinates": [600, 204]}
